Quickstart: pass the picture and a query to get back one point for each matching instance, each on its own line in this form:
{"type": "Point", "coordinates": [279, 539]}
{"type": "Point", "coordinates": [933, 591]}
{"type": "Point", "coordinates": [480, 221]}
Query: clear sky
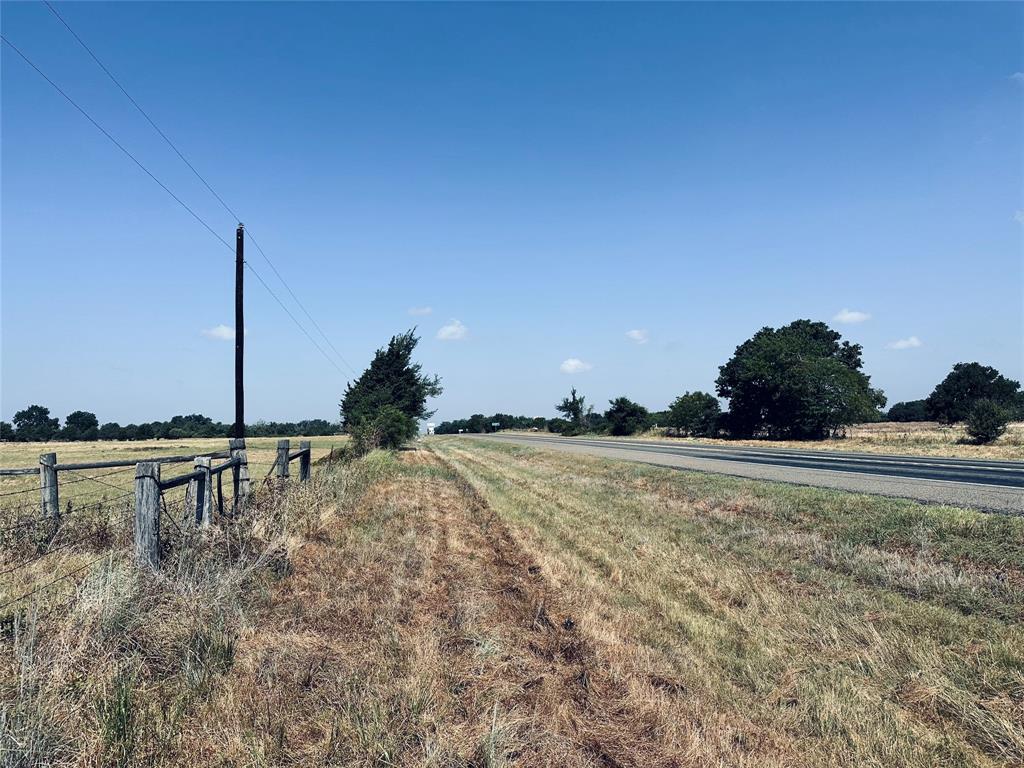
{"type": "Point", "coordinates": [544, 178]}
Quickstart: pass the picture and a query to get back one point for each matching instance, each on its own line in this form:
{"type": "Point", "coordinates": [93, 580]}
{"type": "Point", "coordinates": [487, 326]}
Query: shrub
{"type": "Point", "coordinates": [558, 426]}
{"type": "Point", "coordinates": [695, 413]}
{"type": "Point", "coordinates": [625, 417]}
{"type": "Point", "coordinates": [388, 428]}
{"type": "Point", "coordinates": [986, 421]}
{"type": "Point", "coordinates": [911, 410]}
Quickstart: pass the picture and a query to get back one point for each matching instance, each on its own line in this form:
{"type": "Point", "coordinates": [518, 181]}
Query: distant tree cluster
{"type": "Point", "coordinates": [800, 381]}
{"type": "Point", "coordinates": [34, 424]}
{"type": "Point", "coordinates": [478, 423]}
{"type": "Point", "coordinates": [911, 410]}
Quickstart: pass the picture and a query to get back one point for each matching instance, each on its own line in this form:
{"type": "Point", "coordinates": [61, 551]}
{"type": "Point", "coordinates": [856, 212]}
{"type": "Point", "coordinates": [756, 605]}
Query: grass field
{"type": "Point", "coordinates": [926, 438]}
{"type": "Point", "coordinates": [18, 491]}
{"type": "Point", "coordinates": [480, 604]}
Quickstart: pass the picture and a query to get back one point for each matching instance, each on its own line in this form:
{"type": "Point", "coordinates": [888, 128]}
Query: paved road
{"type": "Point", "coordinates": [995, 486]}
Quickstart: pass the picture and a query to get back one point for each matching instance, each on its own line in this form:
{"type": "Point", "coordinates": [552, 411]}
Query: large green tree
{"type": "Point", "coordinates": [35, 425]}
{"type": "Point", "coordinates": [965, 385]}
{"type": "Point", "coordinates": [382, 407]}
{"type": "Point", "coordinates": [625, 417]}
{"type": "Point", "coordinates": [80, 425]}
{"type": "Point", "coordinates": [695, 413]}
{"type": "Point", "coordinates": [796, 382]}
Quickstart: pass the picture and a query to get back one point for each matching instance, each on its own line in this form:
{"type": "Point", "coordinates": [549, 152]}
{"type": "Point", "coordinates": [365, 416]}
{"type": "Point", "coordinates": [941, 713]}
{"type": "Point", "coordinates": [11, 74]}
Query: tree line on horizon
{"type": "Point", "coordinates": [797, 382]}
{"type": "Point", "coordinates": [34, 424]}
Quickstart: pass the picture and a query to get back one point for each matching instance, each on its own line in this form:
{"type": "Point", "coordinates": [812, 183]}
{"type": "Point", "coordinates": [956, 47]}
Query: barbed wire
{"type": "Point", "coordinates": [79, 478]}
{"type": "Point", "coordinates": [61, 547]}
{"type": "Point", "coordinates": [73, 512]}
{"type": "Point", "coordinates": [49, 584]}
{"type": "Point", "coordinates": [96, 479]}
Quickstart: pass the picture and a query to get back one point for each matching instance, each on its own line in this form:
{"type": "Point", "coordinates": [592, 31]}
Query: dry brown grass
{"type": "Point", "coordinates": [20, 493]}
{"type": "Point", "coordinates": [487, 606]}
{"type": "Point", "coordinates": [773, 625]}
{"type": "Point", "coordinates": [925, 438]}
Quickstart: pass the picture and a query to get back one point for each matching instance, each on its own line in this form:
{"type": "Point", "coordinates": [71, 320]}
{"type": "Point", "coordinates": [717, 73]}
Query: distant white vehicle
{"type": "Point", "coordinates": [430, 429]}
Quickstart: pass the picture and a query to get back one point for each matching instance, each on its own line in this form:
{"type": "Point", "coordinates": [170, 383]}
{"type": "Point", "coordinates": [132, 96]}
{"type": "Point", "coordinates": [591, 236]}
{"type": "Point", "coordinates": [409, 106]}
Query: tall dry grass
{"type": "Point", "coordinates": [777, 625]}
{"type": "Point", "coordinates": [108, 666]}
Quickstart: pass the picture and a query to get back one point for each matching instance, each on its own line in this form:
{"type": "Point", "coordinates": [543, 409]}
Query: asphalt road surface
{"type": "Point", "coordinates": [994, 486]}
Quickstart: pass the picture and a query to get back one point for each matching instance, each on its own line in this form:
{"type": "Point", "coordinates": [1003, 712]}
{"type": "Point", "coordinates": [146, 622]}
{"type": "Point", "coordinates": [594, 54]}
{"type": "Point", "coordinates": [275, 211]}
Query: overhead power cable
{"type": "Point", "coordinates": [116, 143]}
{"type": "Point", "coordinates": [288, 312]}
{"type": "Point", "coordinates": [303, 308]}
{"type": "Point", "coordinates": [166, 189]}
{"type": "Point", "coordinates": [143, 112]}
{"type": "Point", "coordinates": [199, 176]}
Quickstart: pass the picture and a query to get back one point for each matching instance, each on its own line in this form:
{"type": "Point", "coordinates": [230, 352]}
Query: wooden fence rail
{"type": "Point", "coordinates": [149, 487]}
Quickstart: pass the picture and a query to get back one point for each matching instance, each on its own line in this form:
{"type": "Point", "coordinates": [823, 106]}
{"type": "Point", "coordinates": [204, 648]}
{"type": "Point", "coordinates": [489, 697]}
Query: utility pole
{"type": "Point", "coordinates": [239, 331]}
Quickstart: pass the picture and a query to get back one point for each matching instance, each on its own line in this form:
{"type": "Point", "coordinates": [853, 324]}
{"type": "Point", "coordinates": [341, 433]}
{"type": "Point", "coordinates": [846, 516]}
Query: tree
{"type": "Point", "coordinates": [35, 425]}
{"type": "Point", "coordinates": [794, 382]}
{"type": "Point", "coordinates": [695, 413]}
{"type": "Point", "coordinates": [967, 383]}
{"type": "Point", "coordinates": [391, 380]}
{"type": "Point", "coordinates": [6, 431]}
{"type": "Point", "coordinates": [625, 417]}
{"type": "Point", "coordinates": [911, 410]}
{"type": "Point", "coordinates": [80, 425]}
{"type": "Point", "coordinates": [112, 431]}
{"type": "Point", "coordinates": [986, 421]}
{"type": "Point", "coordinates": [576, 412]}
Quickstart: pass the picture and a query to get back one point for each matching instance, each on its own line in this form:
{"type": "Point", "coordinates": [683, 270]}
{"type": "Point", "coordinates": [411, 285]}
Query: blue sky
{"type": "Point", "coordinates": [545, 178]}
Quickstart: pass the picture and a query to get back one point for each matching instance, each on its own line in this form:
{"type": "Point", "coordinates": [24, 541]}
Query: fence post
{"type": "Point", "coordinates": [282, 459]}
{"type": "Point", "coordinates": [239, 473]}
{"type": "Point", "coordinates": [48, 486]}
{"type": "Point", "coordinates": [304, 460]}
{"type": "Point", "coordinates": [147, 514]}
{"type": "Point", "coordinates": [199, 496]}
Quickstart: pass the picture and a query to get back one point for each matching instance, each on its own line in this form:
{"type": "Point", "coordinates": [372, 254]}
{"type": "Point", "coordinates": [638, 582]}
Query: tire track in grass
{"type": "Point", "coordinates": [549, 677]}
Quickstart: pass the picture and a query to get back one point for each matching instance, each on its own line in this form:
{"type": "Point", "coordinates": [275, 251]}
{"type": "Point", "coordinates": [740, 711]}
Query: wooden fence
{"type": "Point", "coordinates": [204, 494]}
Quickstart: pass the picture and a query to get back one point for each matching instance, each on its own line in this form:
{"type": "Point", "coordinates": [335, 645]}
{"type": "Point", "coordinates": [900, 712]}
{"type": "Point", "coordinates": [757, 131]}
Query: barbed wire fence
{"type": "Point", "coordinates": [132, 518]}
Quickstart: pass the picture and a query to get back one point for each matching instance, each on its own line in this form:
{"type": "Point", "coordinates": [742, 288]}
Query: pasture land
{"type": "Point", "coordinates": [262, 452]}
{"type": "Point", "coordinates": [481, 604]}
{"type": "Point", "coordinates": [924, 438]}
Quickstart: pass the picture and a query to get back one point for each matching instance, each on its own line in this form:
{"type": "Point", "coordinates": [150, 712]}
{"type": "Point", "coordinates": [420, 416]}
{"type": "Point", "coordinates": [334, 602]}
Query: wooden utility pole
{"type": "Point", "coordinates": [239, 332]}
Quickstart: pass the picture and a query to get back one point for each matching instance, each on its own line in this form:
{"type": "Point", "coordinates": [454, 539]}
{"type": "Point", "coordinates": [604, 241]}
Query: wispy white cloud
{"type": "Point", "coordinates": [219, 332]}
{"type": "Point", "coordinates": [850, 316]}
{"type": "Point", "coordinates": [1018, 77]}
{"type": "Point", "coordinates": [453, 330]}
{"type": "Point", "coordinates": [639, 335]}
{"type": "Point", "coordinates": [574, 365]}
{"type": "Point", "coordinates": [419, 311]}
{"type": "Point", "coordinates": [1018, 216]}
{"type": "Point", "coordinates": [911, 342]}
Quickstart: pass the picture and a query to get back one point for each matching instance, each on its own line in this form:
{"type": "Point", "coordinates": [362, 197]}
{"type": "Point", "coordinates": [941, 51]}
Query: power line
{"type": "Point", "coordinates": [177, 199]}
{"type": "Point", "coordinates": [303, 308]}
{"type": "Point", "coordinates": [199, 176]}
{"type": "Point", "coordinates": [116, 143]}
{"type": "Point", "coordinates": [288, 312]}
{"type": "Point", "coordinates": [115, 81]}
